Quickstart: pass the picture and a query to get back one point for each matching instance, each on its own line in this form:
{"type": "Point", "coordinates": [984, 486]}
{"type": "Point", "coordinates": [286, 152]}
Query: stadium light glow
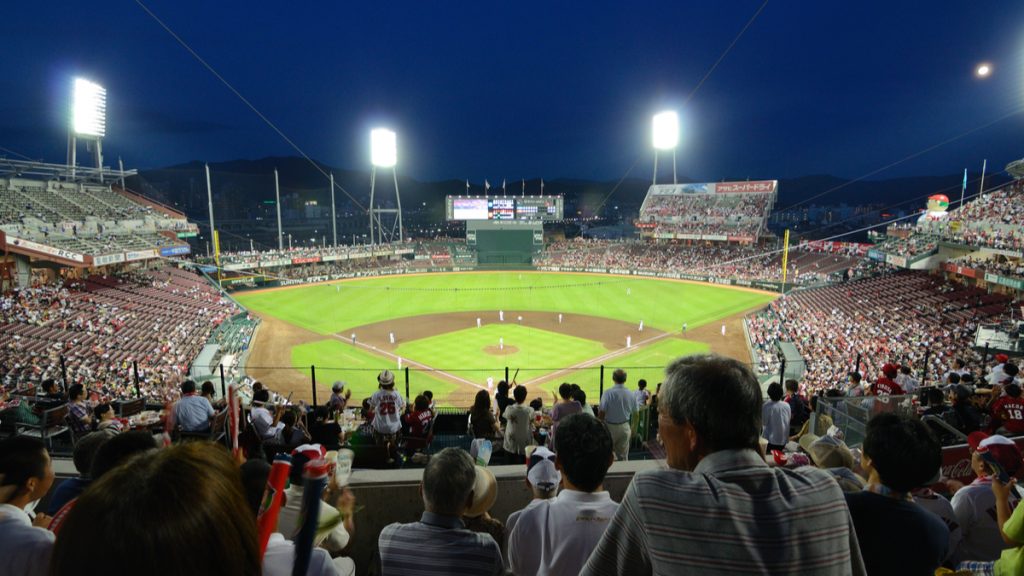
{"type": "Point", "coordinates": [383, 149]}
{"type": "Point", "coordinates": [983, 70]}
{"type": "Point", "coordinates": [89, 109]}
{"type": "Point", "coordinates": [666, 130]}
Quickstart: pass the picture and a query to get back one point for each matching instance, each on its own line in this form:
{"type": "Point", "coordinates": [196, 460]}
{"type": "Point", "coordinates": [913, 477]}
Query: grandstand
{"type": "Point", "coordinates": [719, 212]}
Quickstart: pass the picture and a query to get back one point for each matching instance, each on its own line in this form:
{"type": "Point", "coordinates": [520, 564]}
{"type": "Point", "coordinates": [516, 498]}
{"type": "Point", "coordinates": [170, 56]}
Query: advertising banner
{"type": "Point", "coordinates": [961, 270]}
{"type": "Point", "coordinates": [175, 250]}
{"type": "Point", "coordinates": [895, 260]}
{"type": "Point", "coordinates": [715, 237]}
{"type": "Point", "coordinates": [306, 260]}
{"type": "Point", "coordinates": [876, 255]}
{"type": "Point", "coordinates": [140, 255]}
{"type": "Point", "coordinates": [108, 259]}
{"type": "Point", "coordinates": [757, 186]}
{"type": "Point", "coordinates": [43, 248]}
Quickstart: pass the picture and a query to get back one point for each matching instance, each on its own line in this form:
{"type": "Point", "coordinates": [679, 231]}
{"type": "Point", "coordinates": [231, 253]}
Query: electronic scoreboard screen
{"type": "Point", "coordinates": [504, 208]}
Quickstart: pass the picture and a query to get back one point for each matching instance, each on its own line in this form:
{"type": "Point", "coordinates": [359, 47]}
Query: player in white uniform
{"type": "Point", "coordinates": [388, 407]}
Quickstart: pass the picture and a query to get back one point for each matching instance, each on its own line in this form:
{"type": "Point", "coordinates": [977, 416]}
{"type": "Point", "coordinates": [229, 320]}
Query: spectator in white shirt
{"type": "Point", "coordinates": [775, 415]}
{"type": "Point", "coordinates": [557, 536]}
{"type": "Point", "coordinates": [543, 479]}
{"type": "Point", "coordinates": [290, 517]}
{"type": "Point", "coordinates": [267, 425]}
{"type": "Point", "coordinates": [388, 406]}
{"type": "Point", "coordinates": [25, 543]}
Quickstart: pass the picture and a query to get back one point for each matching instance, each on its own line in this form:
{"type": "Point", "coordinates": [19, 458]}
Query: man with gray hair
{"type": "Point", "coordinates": [719, 508]}
{"type": "Point", "coordinates": [439, 543]}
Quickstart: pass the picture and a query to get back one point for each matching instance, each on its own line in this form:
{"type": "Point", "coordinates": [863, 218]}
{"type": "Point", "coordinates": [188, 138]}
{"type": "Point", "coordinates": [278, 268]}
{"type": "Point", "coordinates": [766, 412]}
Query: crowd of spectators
{"type": "Point", "coordinates": [714, 214]}
{"type": "Point", "coordinates": [813, 504]}
{"type": "Point", "coordinates": [902, 317]}
{"type": "Point", "coordinates": [991, 220]}
{"type": "Point", "coordinates": [719, 260]}
{"type": "Point", "coordinates": [100, 325]}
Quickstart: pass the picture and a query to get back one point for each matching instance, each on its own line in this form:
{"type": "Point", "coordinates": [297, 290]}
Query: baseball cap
{"type": "Point", "coordinates": [1002, 358]}
{"type": "Point", "coordinates": [485, 492]}
{"type": "Point", "coordinates": [310, 451]}
{"type": "Point", "coordinates": [338, 386]}
{"type": "Point", "coordinates": [541, 471]}
{"type": "Point", "coordinates": [827, 451]}
{"type": "Point", "coordinates": [1000, 447]}
{"type": "Point", "coordinates": [890, 370]}
{"type": "Point", "coordinates": [386, 378]}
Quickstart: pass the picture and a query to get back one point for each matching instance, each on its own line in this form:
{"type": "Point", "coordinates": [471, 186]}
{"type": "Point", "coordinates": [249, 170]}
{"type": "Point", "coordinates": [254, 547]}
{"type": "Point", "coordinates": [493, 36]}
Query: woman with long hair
{"type": "Point", "coordinates": [482, 420]}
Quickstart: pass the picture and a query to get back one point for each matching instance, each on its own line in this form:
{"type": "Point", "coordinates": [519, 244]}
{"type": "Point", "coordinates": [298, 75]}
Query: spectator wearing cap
{"type": "Point", "coordinates": [439, 543]}
{"type": "Point", "coordinates": [886, 385]}
{"type": "Point", "coordinates": [900, 454]}
{"type": "Point", "coordinates": [556, 536]}
{"type": "Point", "coordinates": [339, 397]}
{"type": "Point", "coordinates": [289, 519]}
{"type": "Point", "coordinates": [1011, 561]}
{"type": "Point", "coordinates": [192, 412]}
{"type": "Point", "coordinates": [997, 375]}
{"type": "Point", "coordinates": [542, 478]}
{"type": "Point", "coordinates": [387, 406]}
{"type": "Point", "coordinates": [519, 425]}
{"type": "Point", "coordinates": [616, 408]}
{"type": "Point", "coordinates": [833, 455]}
{"type": "Point", "coordinates": [1008, 411]}
{"type": "Point", "coordinates": [720, 508]}
{"type": "Point", "coordinates": [775, 416]}
{"type": "Point", "coordinates": [267, 425]}
{"type": "Point", "coordinates": [26, 472]}
{"type": "Point", "coordinates": [975, 504]}
{"type": "Point", "coordinates": [477, 517]}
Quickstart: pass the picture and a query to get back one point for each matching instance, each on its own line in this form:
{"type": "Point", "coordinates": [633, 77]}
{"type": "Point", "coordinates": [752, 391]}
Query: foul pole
{"type": "Point", "coordinates": [785, 259]}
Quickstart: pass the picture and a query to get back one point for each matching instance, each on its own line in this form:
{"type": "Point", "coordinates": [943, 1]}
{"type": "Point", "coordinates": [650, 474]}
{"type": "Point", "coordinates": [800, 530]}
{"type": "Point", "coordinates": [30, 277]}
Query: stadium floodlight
{"type": "Point", "coordinates": [666, 130]}
{"type": "Point", "coordinates": [89, 109]}
{"type": "Point", "coordinates": [983, 70]}
{"type": "Point", "coordinates": [383, 152]}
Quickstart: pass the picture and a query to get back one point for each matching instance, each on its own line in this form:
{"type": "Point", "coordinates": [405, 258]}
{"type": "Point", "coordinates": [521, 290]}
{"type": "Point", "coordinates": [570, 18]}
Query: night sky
{"type": "Point", "coordinates": [528, 89]}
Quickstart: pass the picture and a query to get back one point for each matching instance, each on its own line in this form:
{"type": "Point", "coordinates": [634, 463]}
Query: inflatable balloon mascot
{"type": "Point", "coordinates": [936, 212]}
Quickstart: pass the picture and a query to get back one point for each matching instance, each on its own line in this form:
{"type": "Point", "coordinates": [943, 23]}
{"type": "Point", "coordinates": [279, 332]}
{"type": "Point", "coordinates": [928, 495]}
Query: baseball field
{"type": "Point", "coordinates": [456, 333]}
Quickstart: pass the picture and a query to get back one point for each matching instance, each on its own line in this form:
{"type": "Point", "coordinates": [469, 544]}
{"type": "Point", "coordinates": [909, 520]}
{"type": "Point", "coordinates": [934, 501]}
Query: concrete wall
{"type": "Point", "coordinates": [386, 496]}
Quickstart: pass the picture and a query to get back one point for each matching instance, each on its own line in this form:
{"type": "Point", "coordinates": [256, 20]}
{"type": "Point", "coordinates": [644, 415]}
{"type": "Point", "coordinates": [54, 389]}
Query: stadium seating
{"type": "Point", "coordinates": [895, 317]}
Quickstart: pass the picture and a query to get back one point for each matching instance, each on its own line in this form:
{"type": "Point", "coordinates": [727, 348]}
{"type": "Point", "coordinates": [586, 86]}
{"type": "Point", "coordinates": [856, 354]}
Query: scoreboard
{"type": "Point", "coordinates": [504, 208]}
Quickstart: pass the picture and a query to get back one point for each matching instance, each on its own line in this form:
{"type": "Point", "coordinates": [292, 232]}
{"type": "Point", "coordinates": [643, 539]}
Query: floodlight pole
{"type": "Point", "coordinates": [373, 182]}
{"type": "Point", "coordinates": [209, 198]}
{"type": "Point", "coordinates": [674, 181]}
{"type": "Point", "coordinates": [120, 166]}
{"type": "Point", "coordinates": [398, 204]}
{"type": "Point", "coordinates": [99, 157]}
{"type": "Point", "coordinates": [334, 219]}
{"type": "Point", "coordinates": [981, 187]}
{"type": "Point", "coordinates": [277, 204]}
{"type": "Point", "coordinates": [654, 179]}
{"type": "Point", "coordinates": [72, 151]}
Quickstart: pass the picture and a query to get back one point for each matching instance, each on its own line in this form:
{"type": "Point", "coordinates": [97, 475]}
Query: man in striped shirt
{"type": "Point", "coordinates": [440, 543]}
{"type": "Point", "coordinates": [719, 509]}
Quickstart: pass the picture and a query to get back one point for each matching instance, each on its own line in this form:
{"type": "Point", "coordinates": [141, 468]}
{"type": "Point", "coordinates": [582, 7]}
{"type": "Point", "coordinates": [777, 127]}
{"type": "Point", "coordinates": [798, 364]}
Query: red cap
{"type": "Point", "coordinates": [890, 370]}
{"type": "Point", "coordinates": [1002, 358]}
{"type": "Point", "coordinates": [1000, 447]}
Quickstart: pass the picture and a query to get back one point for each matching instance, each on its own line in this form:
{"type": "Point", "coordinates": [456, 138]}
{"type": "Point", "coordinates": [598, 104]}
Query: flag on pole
{"type": "Point", "coordinates": [467, 185]}
{"type": "Point", "coordinates": [502, 186]}
{"type": "Point", "coordinates": [487, 185]}
{"type": "Point", "coordinates": [541, 186]}
{"type": "Point", "coordinates": [963, 189]}
{"type": "Point", "coordinates": [524, 186]}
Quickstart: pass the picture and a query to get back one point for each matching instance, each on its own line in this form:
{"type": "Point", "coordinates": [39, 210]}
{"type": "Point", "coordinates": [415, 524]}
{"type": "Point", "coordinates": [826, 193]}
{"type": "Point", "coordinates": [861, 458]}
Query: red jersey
{"type": "Point", "coordinates": [418, 422]}
{"type": "Point", "coordinates": [886, 386]}
{"type": "Point", "coordinates": [1010, 411]}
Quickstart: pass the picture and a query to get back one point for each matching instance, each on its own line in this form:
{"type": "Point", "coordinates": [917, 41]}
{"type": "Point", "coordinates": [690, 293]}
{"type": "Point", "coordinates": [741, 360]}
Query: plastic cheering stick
{"type": "Point", "coordinates": [270, 506]}
{"type": "Point", "coordinates": [314, 481]}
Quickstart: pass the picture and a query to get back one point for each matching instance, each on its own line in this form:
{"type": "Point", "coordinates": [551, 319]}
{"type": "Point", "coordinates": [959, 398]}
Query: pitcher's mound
{"type": "Point", "coordinates": [495, 351]}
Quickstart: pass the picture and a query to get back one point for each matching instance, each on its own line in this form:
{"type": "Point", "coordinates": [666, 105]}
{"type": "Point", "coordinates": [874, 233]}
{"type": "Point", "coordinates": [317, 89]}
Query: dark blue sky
{"type": "Point", "coordinates": [534, 89]}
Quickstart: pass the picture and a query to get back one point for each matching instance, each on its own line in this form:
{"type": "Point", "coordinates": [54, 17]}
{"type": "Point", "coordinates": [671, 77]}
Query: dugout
{"type": "Point", "coordinates": [505, 244]}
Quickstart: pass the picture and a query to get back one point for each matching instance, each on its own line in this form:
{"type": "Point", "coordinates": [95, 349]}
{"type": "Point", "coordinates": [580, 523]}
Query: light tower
{"type": "Point", "coordinates": [88, 121]}
{"type": "Point", "coordinates": [383, 154]}
{"type": "Point", "coordinates": [665, 132]}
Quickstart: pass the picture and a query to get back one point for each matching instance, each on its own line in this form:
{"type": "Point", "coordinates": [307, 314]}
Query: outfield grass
{"type": "Point", "coordinates": [336, 360]}
{"type": "Point", "coordinates": [662, 304]}
{"type": "Point", "coordinates": [461, 352]}
{"type": "Point", "coordinates": [646, 363]}
{"type": "Point", "coordinates": [335, 308]}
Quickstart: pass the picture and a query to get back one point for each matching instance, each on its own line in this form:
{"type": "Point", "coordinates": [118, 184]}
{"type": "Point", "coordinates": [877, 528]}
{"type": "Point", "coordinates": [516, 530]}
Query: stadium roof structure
{"type": "Point", "coordinates": [24, 168]}
{"type": "Point", "coordinates": [1016, 169]}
